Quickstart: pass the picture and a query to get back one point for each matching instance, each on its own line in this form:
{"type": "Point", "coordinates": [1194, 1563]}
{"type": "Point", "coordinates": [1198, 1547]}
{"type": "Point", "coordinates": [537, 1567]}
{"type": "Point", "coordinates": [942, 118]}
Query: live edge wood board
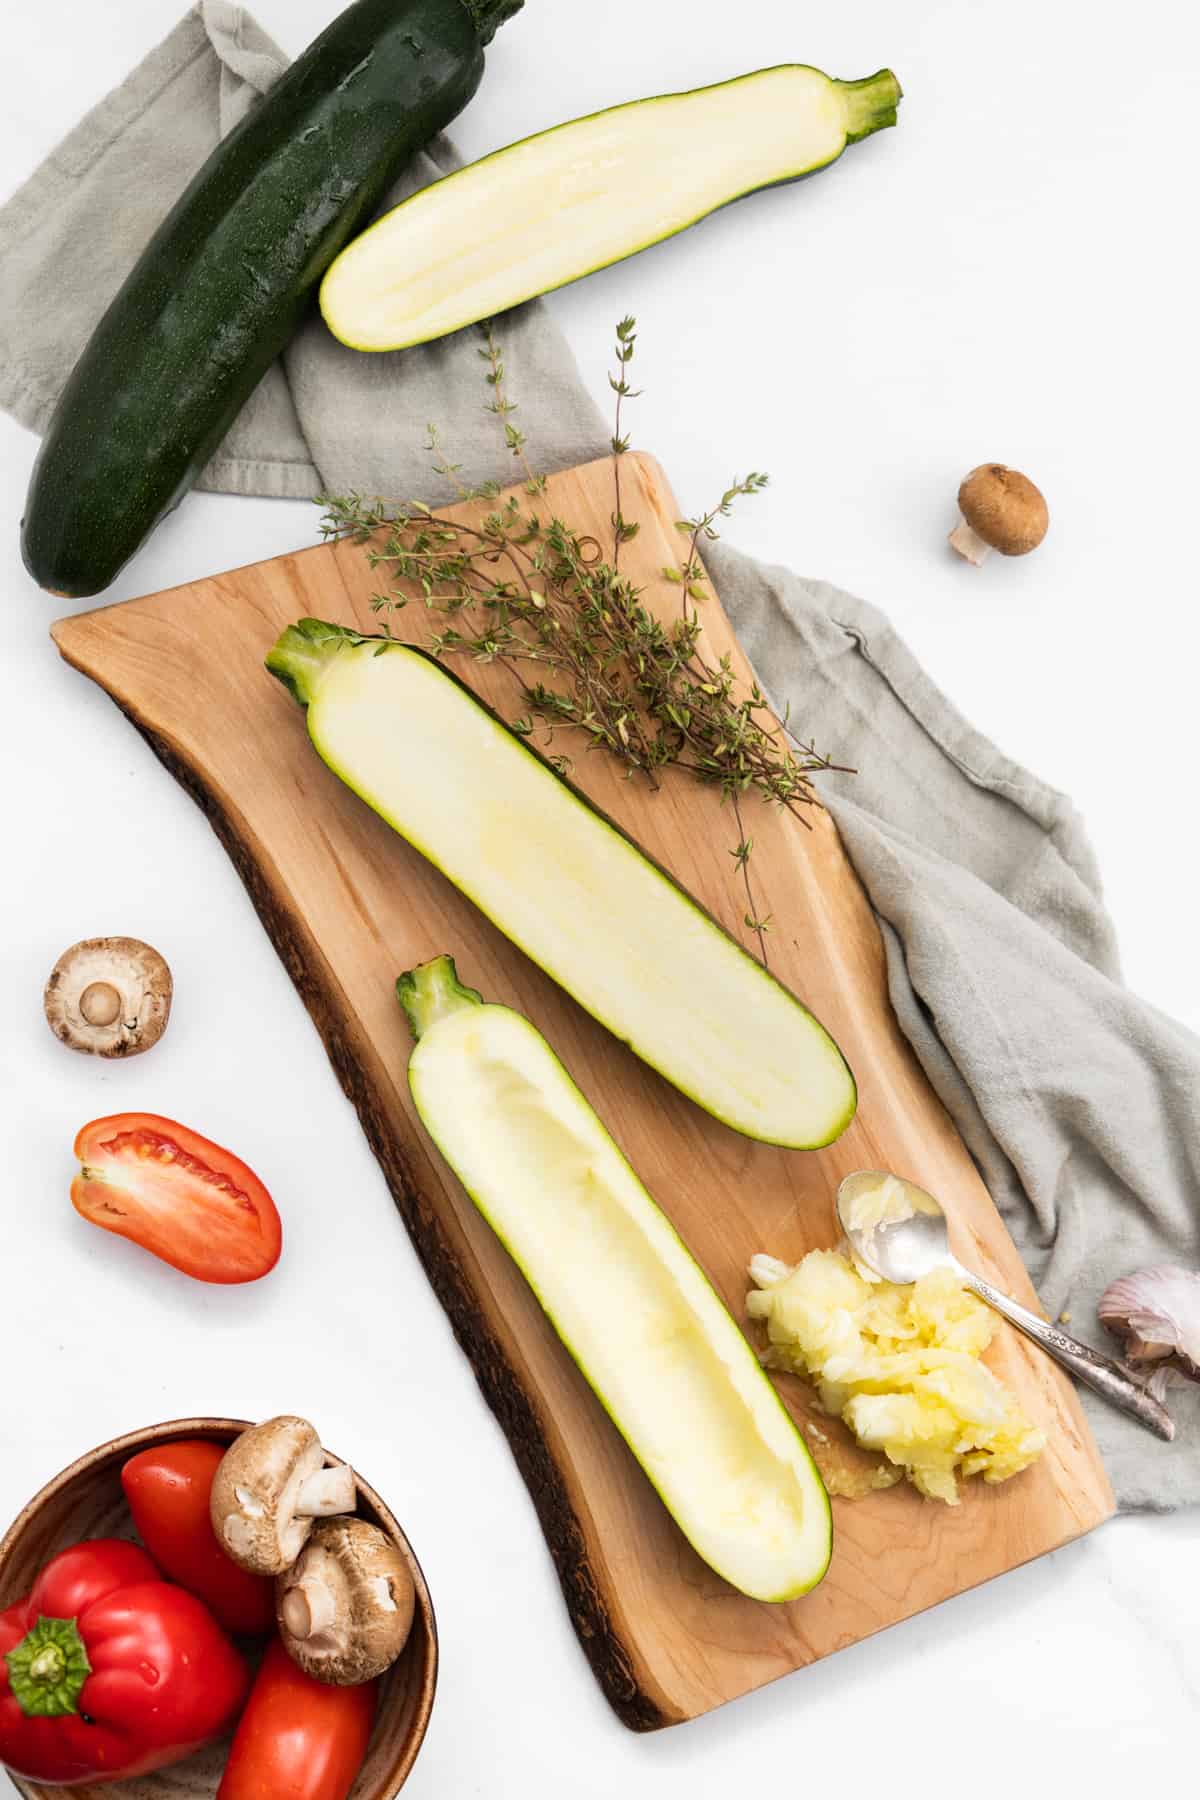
{"type": "Point", "coordinates": [348, 906]}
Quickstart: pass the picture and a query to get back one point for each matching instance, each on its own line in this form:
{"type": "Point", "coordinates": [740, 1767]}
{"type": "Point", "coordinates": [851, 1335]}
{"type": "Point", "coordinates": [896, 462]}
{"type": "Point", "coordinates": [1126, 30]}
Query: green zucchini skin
{"type": "Point", "coordinates": [226, 279]}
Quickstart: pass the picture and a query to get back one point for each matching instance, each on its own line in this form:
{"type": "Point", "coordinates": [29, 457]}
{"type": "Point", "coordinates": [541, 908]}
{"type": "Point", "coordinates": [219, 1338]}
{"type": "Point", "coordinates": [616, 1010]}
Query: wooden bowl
{"type": "Point", "coordinates": [86, 1501]}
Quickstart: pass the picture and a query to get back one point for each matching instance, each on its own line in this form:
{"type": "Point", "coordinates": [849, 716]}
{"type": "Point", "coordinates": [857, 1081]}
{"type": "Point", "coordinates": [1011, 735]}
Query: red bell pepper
{"type": "Point", "coordinates": [298, 1739]}
{"type": "Point", "coordinates": [168, 1489]}
{"type": "Point", "coordinates": [107, 1670]}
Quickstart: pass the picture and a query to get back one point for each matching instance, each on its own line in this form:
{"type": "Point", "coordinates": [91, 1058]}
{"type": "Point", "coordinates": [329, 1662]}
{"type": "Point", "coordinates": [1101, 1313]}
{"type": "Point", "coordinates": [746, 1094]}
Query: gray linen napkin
{"type": "Point", "coordinates": [325, 419]}
{"type": "Point", "coordinates": [1076, 1099]}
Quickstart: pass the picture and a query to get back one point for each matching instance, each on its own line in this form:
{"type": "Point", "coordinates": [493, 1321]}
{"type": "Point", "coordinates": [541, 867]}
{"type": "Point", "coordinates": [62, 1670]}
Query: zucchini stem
{"type": "Point", "coordinates": [431, 992]}
{"type": "Point", "coordinates": [870, 104]}
{"type": "Point", "coordinates": [304, 653]}
{"type": "Point", "coordinates": [488, 16]}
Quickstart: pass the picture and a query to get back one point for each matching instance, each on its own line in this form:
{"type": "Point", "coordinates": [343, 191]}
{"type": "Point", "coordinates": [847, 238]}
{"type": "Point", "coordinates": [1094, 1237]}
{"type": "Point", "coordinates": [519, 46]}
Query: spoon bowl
{"type": "Point", "coordinates": [902, 1237]}
{"type": "Point", "coordinates": [900, 1232]}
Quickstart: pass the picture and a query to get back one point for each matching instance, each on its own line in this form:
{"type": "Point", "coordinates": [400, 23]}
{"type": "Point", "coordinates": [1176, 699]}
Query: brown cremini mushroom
{"type": "Point", "coordinates": [109, 996]}
{"type": "Point", "coordinates": [270, 1486]}
{"type": "Point", "coordinates": [345, 1607]}
{"type": "Point", "coordinates": [1001, 510]}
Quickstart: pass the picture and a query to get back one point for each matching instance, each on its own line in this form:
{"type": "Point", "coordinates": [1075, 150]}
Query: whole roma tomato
{"type": "Point", "coordinates": [298, 1739]}
{"type": "Point", "coordinates": [177, 1195]}
{"type": "Point", "coordinates": [107, 1670]}
{"type": "Point", "coordinates": [168, 1489]}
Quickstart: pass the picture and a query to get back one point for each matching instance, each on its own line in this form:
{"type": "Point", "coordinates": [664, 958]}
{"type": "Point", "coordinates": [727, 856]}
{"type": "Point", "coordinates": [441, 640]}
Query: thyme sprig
{"type": "Point", "coordinates": [626, 341]}
{"type": "Point", "coordinates": [586, 655]}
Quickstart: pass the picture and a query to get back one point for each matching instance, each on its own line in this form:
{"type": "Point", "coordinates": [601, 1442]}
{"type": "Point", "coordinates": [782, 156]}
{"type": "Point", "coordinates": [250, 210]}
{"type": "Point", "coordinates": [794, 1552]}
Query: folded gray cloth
{"type": "Point", "coordinates": [1075, 1098]}
{"type": "Point", "coordinates": [325, 419]}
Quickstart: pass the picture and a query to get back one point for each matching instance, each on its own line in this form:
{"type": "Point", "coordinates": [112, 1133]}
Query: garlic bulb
{"type": "Point", "coordinates": [1157, 1312]}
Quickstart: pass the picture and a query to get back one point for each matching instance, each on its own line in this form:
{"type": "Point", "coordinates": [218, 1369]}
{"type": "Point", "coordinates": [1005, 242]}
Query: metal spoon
{"type": "Point", "coordinates": [905, 1247]}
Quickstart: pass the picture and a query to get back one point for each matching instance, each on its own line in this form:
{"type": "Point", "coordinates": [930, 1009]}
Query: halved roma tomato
{"type": "Point", "coordinates": [176, 1194]}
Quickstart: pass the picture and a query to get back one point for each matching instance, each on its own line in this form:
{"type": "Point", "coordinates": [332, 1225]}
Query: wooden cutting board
{"type": "Point", "coordinates": [348, 906]}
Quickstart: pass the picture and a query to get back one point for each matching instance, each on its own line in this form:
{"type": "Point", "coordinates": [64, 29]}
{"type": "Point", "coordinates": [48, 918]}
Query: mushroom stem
{"type": "Point", "coordinates": [968, 543]}
{"type": "Point", "coordinates": [100, 1004]}
{"type": "Point", "coordinates": [308, 1610]}
{"type": "Point", "coordinates": [327, 1492]}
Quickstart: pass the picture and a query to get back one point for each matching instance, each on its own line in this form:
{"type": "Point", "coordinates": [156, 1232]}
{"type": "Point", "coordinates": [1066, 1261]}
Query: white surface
{"type": "Point", "coordinates": [1007, 276]}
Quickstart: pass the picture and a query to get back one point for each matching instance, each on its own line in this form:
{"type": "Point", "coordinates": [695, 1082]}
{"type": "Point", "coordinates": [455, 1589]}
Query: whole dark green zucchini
{"type": "Point", "coordinates": [226, 279]}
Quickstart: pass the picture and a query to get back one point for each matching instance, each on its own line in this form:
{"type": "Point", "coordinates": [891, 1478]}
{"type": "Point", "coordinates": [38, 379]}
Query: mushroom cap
{"type": "Point", "coordinates": [255, 1491]}
{"type": "Point", "coordinates": [1004, 508]}
{"type": "Point", "coordinates": [109, 996]}
{"type": "Point", "coordinates": [345, 1608]}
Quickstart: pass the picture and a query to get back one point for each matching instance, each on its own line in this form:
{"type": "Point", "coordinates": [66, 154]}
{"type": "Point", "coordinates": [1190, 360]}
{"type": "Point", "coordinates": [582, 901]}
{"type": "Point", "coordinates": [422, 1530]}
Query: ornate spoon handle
{"type": "Point", "coordinates": [1100, 1373]}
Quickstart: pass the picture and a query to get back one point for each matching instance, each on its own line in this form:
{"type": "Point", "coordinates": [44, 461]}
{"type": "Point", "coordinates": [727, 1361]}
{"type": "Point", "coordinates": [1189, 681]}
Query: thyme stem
{"type": "Point", "coordinates": [742, 857]}
{"type": "Point", "coordinates": [574, 635]}
{"type": "Point", "coordinates": [626, 340]}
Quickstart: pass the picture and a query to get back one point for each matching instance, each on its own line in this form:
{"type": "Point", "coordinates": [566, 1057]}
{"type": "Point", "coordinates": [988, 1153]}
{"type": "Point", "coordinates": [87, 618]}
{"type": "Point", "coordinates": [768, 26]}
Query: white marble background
{"type": "Point", "coordinates": [1011, 276]}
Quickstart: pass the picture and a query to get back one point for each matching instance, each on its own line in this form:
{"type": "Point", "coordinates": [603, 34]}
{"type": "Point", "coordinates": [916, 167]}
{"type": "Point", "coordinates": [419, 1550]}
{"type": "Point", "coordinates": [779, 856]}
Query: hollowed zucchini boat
{"type": "Point", "coordinates": [566, 886]}
{"type": "Point", "coordinates": [636, 1312]}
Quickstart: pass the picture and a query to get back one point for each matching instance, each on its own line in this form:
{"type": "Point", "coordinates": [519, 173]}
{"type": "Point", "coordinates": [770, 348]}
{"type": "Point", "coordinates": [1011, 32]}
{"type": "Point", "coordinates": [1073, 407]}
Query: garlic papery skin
{"type": "Point", "coordinates": [1157, 1312]}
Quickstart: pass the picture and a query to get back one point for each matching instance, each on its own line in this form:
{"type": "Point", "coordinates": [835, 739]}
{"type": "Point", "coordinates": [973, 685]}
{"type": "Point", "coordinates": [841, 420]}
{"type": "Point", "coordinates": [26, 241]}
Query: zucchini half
{"type": "Point", "coordinates": [560, 205]}
{"type": "Point", "coordinates": [566, 886]}
{"type": "Point", "coordinates": [636, 1312]}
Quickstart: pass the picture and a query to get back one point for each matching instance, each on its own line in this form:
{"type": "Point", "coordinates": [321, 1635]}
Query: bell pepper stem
{"type": "Point", "coordinates": [47, 1669]}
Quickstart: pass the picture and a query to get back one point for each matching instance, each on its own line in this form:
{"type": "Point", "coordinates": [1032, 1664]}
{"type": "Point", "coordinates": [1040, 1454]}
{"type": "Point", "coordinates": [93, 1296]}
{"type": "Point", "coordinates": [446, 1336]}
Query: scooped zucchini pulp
{"type": "Point", "coordinates": [566, 886]}
{"type": "Point", "coordinates": [560, 205]}
{"type": "Point", "coordinates": [634, 1309]}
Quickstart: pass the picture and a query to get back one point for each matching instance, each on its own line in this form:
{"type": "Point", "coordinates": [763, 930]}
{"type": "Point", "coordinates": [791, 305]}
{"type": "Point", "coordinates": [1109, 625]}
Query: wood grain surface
{"type": "Point", "coordinates": [348, 905]}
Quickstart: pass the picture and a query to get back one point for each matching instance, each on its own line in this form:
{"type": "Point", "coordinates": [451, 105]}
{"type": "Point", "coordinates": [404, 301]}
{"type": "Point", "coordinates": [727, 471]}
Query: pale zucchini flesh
{"type": "Point", "coordinates": [632, 1306]}
{"type": "Point", "coordinates": [560, 205]}
{"type": "Point", "coordinates": [564, 885]}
